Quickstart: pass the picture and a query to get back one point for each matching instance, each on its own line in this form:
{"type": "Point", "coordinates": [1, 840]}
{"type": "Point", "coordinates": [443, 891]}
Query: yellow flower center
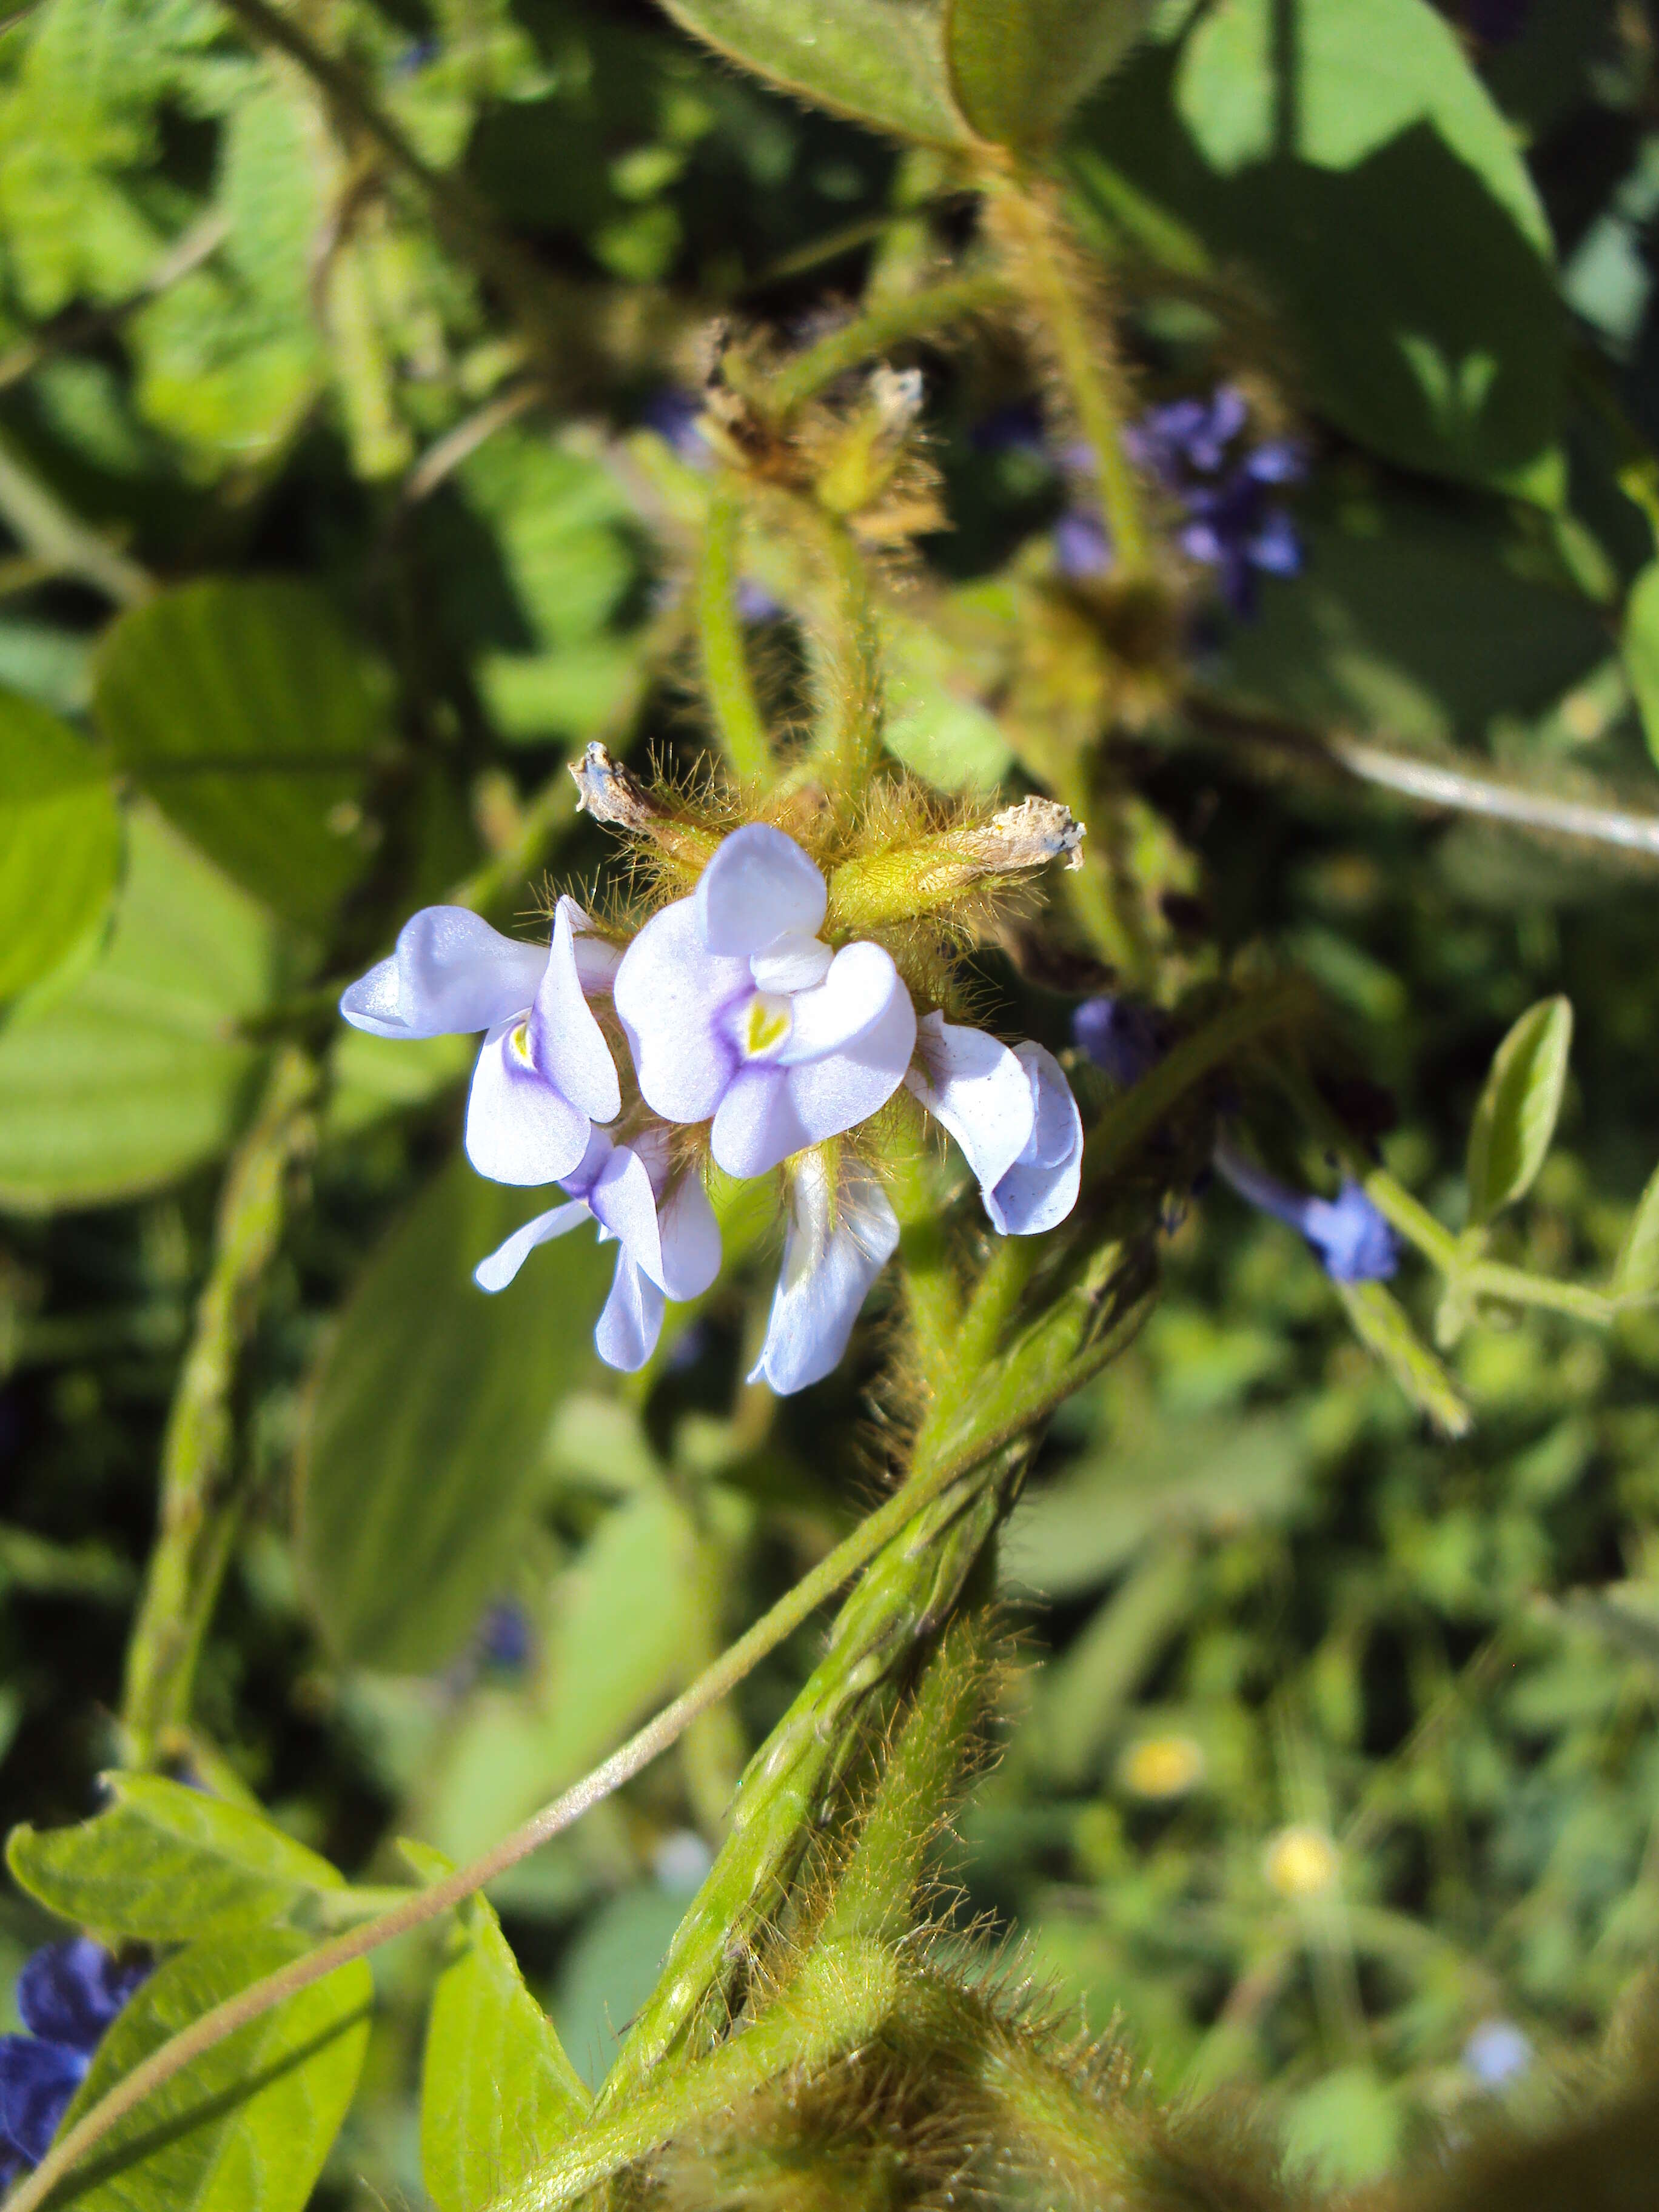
{"type": "Point", "coordinates": [519, 1043]}
{"type": "Point", "coordinates": [767, 1023]}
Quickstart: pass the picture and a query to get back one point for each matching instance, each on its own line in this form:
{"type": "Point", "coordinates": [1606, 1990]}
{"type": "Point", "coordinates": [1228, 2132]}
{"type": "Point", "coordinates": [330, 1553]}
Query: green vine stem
{"type": "Point", "coordinates": [203, 1493]}
{"type": "Point", "coordinates": [1043, 266]}
{"type": "Point", "coordinates": [727, 682]}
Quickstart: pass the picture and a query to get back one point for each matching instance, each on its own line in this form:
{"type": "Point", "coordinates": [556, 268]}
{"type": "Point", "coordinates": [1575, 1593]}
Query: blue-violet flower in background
{"type": "Point", "coordinates": [68, 1994]}
{"type": "Point", "coordinates": [1233, 522]}
{"type": "Point", "coordinates": [1349, 1237]}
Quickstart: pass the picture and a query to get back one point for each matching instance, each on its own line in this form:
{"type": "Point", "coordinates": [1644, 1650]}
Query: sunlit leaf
{"type": "Point", "coordinates": [246, 2127]}
{"type": "Point", "coordinates": [166, 1864]}
{"type": "Point", "coordinates": [428, 1418]}
{"type": "Point", "coordinates": [1518, 1109]}
{"type": "Point", "coordinates": [137, 1073]}
{"type": "Point", "coordinates": [498, 2095]}
{"type": "Point", "coordinates": [1019, 67]}
{"type": "Point", "coordinates": [881, 62]}
{"type": "Point", "coordinates": [1641, 650]}
{"type": "Point", "coordinates": [1380, 195]}
{"type": "Point", "coordinates": [1636, 1271]}
{"type": "Point", "coordinates": [60, 843]}
{"type": "Point", "coordinates": [244, 710]}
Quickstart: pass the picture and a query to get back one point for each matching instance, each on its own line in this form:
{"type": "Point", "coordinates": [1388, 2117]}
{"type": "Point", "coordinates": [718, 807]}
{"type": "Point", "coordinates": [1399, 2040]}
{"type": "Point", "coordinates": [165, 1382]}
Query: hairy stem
{"type": "Point", "coordinates": [725, 677]}
{"type": "Point", "coordinates": [201, 1496]}
{"type": "Point", "coordinates": [60, 542]}
{"type": "Point", "coordinates": [1045, 268]}
{"type": "Point", "coordinates": [936, 307]}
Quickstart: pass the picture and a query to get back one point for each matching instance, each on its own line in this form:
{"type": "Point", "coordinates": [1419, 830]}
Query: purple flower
{"type": "Point", "coordinates": [1123, 1038]}
{"type": "Point", "coordinates": [738, 1012]}
{"type": "Point", "coordinates": [1082, 549]}
{"type": "Point", "coordinates": [668, 1241]}
{"type": "Point", "coordinates": [503, 1637]}
{"type": "Point", "coordinates": [545, 1074]}
{"type": "Point", "coordinates": [1351, 1240]}
{"type": "Point", "coordinates": [1231, 522]}
{"type": "Point", "coordinates": [1349, 1237]}
{"type": "Point", "coordinates": [675, 415]}
{"type": "Point", "coordinates": [68, 1994]}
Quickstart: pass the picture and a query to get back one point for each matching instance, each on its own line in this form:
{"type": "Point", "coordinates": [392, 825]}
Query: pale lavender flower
{"type": "Point", "coordinates": [1012, 1113]}
{"type": "Point", "coordinates": [738, 1013]}
{"type": "Point", "coordinates": [668, 1240]}
{"type": "Point", "coordinates": [545, 1074]}
{"type": "Point", "coordinates": [1496, 2051]}
{"type": "Point", "coordinates": [842, 1232]}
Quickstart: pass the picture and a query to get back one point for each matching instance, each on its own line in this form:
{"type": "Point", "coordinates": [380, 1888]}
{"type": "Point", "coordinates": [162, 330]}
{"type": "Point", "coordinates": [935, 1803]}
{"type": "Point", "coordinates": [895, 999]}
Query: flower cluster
{"type": "Point", "coordinates": [750, 1041]}
{"type": "Point", "coordinates": [1222, 488]}
{"type": "Point", "coordinates": [1348, 1236]}
{"type": "Point", "coordinates": [68, 1995]}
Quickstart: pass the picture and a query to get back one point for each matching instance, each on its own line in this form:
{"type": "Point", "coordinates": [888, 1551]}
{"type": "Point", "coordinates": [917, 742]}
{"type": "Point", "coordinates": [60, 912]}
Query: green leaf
{"type": "Point", "coordinates": [1519, 1107]}
{"type": "Point", "coordinates": [1636, 1271]}
{"type": "Point", "coordinates": [1019, 67]}
{"type": "Point", "coordinates": [1640, 647]}
{"type": "Point", "coordinates": [60, 843]}
{"type": "Point", "coordinates": [933, 725]}
{"type": "Point", "coordinates": [246, 2127]}
{"type": "Point", "coordinates": [246, 711]}
{"type": "Point", "coordinates": [514, 1750]}
{"type": "Point", "coordinates": [428, 1420]}
{"type": "Point", "coordinates": [1380, 196]}
{"type": "Point", "coordinates": [137, 1073]}
{"type": "Point", "coordinates": [1383, 1326]}
{"type": "Point", "coordinates": [165, 1864]}
{"type": "Point", "coordinates": [498, 2095]}
{"type": "Point", "coordinates": [881, 62]}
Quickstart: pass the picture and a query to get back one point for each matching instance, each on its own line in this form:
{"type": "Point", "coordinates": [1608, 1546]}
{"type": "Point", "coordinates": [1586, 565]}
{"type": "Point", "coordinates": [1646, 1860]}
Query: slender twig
{"type": "Point", "coordinates": [61, 542]}
{"type": "Point", "coordinates": [200, 1504]}
{"type": "Point", "coordinates": [187, 252]}
{"type": "Point", "coordinates": [1436, 784]}
{"type": "Point", "coordinates": [445, 455]}
{"type": "Point", "coordinates": [455, 208]}
{"type": "Point", "coordinates": [425, 1905]}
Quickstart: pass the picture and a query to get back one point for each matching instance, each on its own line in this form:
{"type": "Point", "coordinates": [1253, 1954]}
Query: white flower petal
{"type": "Point", "coordinates": [495, 1273]}
{"type": "Point", "coordinates": [691, 1239]}
{"type": "Point", "coordinates": [835, 1247]}
{"type": "Point", "coordinates": [858, 988]}
{"type": "Point", "coordinates": [1040, 1188]}
{"type": "Point", "coordinates": [627, 1331]}
{"type": "Point", "coordinates": [771, 1111]}
{"type": "Point", "coordinates": [793, 962]}
{"type": "Point", "coordinates": [624, 1203]}
{"type": "Point", "coordinates": [519, 1129]}
{"type": "Point", "coordinates": [450, 972]}
{"type": "Point", "coordinates": [759, 885]}
{"type": "Point", "coordinates": [980, 1091]}
{"type": "Point", "coordinates": [672, 993]}
{"type": "Point", "coordinates": [566, 1041]}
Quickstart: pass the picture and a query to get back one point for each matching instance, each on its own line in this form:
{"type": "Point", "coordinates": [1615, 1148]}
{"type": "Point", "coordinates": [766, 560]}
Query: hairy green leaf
{"type": "Point", "coordinates": [60, 843]}
{"type": "Point", "coordinates": [428, 1418]}
{"type": "Point", "coordinates": [1518, 1109]}
{"type": "Point", "coordinates": [136, 1073]}
{"type": "Point", "coordinates": [881, 62]}
{"type": "Point", "coordinates": [1019, 67]}
{"type": "Point", "coordinates": [247, 713]}
{"type": "Point", "coordinates": [165, 1864]}
{"type": "Point", "coordinates": [498, 2095]}
{"type": "Point", "coordinates": [246, 2127]}
{"type": "Point", "coordinates": [1346, 151]}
